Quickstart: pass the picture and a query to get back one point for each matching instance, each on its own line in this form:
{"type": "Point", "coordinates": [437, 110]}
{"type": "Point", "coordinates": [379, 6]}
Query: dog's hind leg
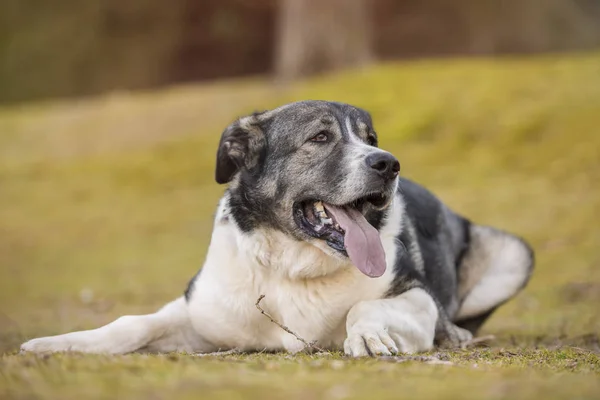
{"type": "Point", "coordinates": [169, 329]}
{"type": "Point", "coordinates": [496, 266]}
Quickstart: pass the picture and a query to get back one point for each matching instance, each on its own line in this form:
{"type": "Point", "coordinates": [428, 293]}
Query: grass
{"type": "Point", "coordinates": [106, 208]}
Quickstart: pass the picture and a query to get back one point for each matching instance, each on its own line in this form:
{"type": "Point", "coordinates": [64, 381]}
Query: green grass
{"type": "Point", "coordinates": [106, 207]}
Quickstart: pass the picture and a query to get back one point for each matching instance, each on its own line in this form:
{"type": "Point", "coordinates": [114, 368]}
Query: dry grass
{"type": "Point", "coordinates": [106, 207]}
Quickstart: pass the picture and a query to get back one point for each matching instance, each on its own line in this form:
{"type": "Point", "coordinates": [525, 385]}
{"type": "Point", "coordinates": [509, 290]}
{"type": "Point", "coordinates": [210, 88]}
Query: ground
{"type": "Point", "coordinates": [106, 207]}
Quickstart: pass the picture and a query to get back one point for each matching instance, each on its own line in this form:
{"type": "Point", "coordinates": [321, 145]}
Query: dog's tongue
{"type": "Point", "coordinates": [361, 240]}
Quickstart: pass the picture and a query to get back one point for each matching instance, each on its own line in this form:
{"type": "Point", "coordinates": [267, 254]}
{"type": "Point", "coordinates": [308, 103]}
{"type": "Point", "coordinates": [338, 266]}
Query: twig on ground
{"type": "Point", "coordinates": [423, 359]}
{"type": "Point", "coordinates": [218, 353]}
{"type": "Point", "coordinates": [307, 345]}
{"type": "Point", "coordinates": [477, 340]}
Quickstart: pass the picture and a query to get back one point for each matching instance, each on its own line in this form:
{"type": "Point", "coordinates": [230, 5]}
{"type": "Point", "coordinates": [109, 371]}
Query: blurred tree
{"type": "Point", "coordinates": [76, 48]}
{"type": "Point", "coordinates": [530, 26]}
{"type": "Point", "coordinates": [319, 35]}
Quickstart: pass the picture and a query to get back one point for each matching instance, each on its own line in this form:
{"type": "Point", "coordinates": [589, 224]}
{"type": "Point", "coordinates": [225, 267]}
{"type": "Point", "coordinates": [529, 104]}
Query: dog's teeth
{"type": "Point", "coordinates": [327, 221]}
{"type": "Point", "coordinates": [319, 207]}
{"type": "Point", "coordinates": [322, 213]}
{"type": "Point", "coordinates": [320, 210]}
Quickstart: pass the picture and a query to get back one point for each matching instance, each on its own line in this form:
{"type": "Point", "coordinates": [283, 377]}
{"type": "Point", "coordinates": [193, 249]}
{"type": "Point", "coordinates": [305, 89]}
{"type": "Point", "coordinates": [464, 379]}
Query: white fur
{"type": "Point", "coordinates": [167, 330]}
{"type": "Point", "coordinates": [404, 324]}
{"type": "Point", "coordinates": [306, 287]}
{"type": "Point", "coordinates": [349, 128]}
{"type": "Point", "coordinates": [498, 266]}
{"type": "Point", "coordinates": [356, 159]}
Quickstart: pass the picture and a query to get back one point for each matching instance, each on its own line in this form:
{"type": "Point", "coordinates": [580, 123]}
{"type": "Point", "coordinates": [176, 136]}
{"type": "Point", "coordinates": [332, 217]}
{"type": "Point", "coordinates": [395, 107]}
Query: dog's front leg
{"type": "Point", "coordinates": [403, 324]}
{"type": "Point", "coordinates": [169, 329]}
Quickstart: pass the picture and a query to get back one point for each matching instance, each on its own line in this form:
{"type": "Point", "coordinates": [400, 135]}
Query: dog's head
{"type": "Point", "coordinates": [312, 170]}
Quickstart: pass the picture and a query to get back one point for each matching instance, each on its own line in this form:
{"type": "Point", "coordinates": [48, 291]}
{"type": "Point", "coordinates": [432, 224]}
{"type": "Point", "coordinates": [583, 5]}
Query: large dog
{"type": "Point", "coordinates": [347, 254]}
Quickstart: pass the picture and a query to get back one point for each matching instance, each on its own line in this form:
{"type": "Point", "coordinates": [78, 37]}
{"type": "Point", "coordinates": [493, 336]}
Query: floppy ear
{"type": "Point", "coordinates": [240, 146]}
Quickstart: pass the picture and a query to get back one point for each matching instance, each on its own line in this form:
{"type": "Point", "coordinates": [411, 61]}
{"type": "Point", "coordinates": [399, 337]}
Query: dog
{"type": "Point", "coordinates": [317, 223]}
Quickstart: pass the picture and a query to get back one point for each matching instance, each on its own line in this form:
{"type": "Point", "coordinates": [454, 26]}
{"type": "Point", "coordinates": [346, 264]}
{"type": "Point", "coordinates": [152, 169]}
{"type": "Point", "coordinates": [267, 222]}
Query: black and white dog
{"type": "Point", "coordinates": [346, 253]}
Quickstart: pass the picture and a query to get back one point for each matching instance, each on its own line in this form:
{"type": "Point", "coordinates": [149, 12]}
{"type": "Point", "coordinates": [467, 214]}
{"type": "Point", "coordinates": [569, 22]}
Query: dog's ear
{"type": "Point", "coordinates": [240, 146]}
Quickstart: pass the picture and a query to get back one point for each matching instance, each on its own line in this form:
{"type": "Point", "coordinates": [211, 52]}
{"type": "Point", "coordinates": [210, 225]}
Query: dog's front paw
{"type": "Point", "coordinates": [379, 341]}
{"type": "Point", "coordinates": [369, 342]}
{"type": "Point", "coordinates": [404, 324]}
{"type": "Point", "coordinates": [45, 345]}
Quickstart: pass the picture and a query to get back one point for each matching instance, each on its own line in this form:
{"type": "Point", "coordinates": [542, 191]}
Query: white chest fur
{"type": "Point", "coordinates": [305, 289]}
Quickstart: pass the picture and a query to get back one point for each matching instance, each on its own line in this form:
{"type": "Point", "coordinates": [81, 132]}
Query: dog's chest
{"type": "Point", "coordinates": [304, 291]}
{"type": "Point", "coordinates": [225, 312]}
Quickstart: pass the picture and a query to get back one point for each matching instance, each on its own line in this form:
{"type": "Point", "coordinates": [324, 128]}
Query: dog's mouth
{"type": "Point", "coordinates": [345, 229]}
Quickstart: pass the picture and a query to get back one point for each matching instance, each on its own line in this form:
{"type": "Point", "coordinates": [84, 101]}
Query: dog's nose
{"type": "Point", "coordinates": [385, 164]}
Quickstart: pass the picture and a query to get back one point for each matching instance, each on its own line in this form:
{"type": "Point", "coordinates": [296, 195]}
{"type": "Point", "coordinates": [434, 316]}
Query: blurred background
{"type": "Point", "coordinates": [110, 113]}
{"type": "Point", "coordinates": [73, 48]}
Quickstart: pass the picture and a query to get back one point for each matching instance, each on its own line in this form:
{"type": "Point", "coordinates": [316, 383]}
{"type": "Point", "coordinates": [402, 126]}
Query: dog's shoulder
{"type": "Point", "coordinates": [422, 207]}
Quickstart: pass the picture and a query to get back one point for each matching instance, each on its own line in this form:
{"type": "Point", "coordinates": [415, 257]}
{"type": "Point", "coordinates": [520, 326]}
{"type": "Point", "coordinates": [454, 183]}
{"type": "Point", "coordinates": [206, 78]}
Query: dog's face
{"type": "Point", "coordinates": [312, 170]}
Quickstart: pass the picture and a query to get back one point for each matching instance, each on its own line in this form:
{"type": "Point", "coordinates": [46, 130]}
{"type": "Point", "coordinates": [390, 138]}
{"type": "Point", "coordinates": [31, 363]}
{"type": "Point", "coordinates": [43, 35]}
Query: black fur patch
{"type": "Point", "coordinates": [422, 207]}
{"type": "Point", "coordinates": [190, 287]}
{"type": "Point", "coordinates": [377, 217]}
{"type": "Point", "coordinates": [425, 213]}
{"type": "Point", "coordinates": [466, 242]}
{"type": "Point", "coordinates": [406, 275]}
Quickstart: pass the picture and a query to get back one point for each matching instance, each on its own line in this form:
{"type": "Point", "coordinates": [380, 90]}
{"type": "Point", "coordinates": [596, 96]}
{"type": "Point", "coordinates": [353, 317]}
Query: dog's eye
{"type": "Point", "coordinates": [322, 136]}
{"type": "Point", "coordinates": [372, 141]}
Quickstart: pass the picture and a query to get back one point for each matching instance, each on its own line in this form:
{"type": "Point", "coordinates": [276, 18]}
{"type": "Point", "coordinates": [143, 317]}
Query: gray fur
{"type": "Point", "coordinates": [276, 165]}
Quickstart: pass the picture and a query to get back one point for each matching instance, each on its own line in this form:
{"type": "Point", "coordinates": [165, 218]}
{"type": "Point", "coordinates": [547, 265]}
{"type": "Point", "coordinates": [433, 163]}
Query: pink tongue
{"type": "Point", "coordinates": [361, 240]}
